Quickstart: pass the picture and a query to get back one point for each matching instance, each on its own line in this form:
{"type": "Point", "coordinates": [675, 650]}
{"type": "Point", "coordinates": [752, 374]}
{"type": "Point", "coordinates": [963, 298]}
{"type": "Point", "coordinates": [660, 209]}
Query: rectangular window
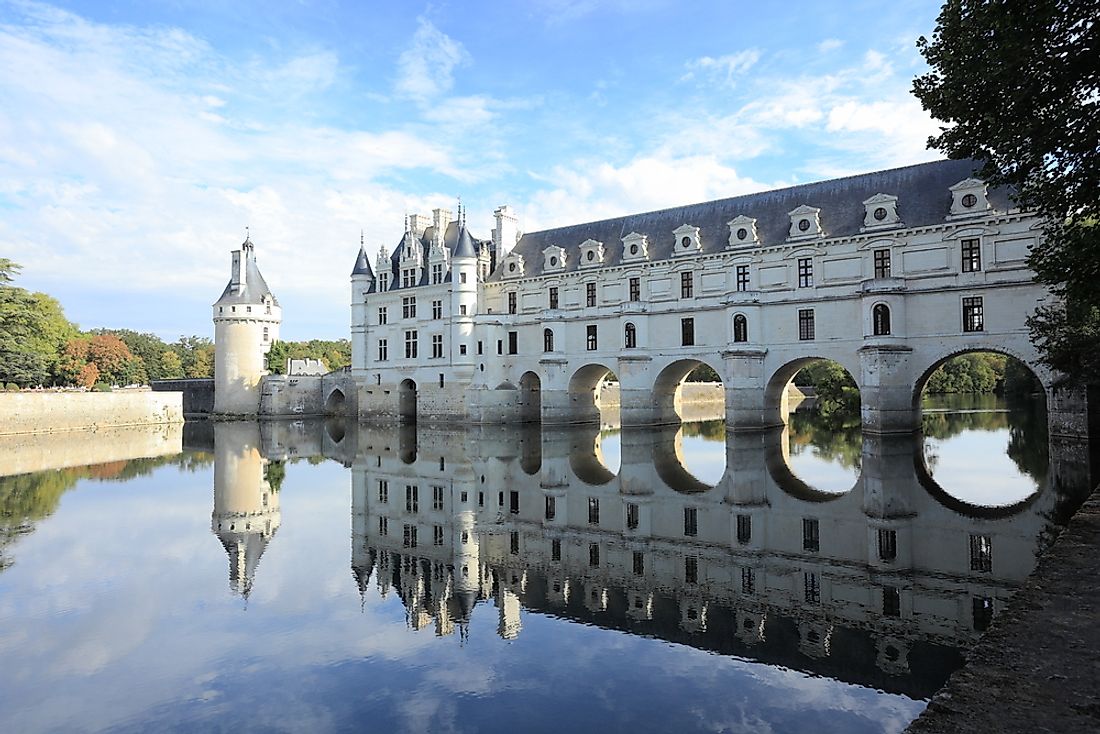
{"type": "Point", "coordinates": [381, 315]}
{"type": "Point", "coordinates": [408, 277]}
{"type": "Point", "coordinates": [383, 350]}
{"type": "Point", "coordinates": [500, 346]}
{"type": "Point", "coordinates": [594, 555]}
{"type": "Point", "coordinates": [981, 553]}
{"type": "Point", "coordinates": [462, 310]}
{"type": "Point", "coordinates": [742, 277]}
{"type": "Point", "coordinates": [687, 332]}
{"type": "Point", "coordinates": [555, 550]}
{"type": "Point", "coordinates": [748, 580]}
{"type": "Point", "coordinates": [462, 349]}
{"type": "Point", "coordinates": [973, 314]}
{"type": "Point", "coordinates": [887, 544]}
{"type": "Point", "coordinates": [410, 345]}
{"type": "Point", "coordinates": [462, 278]}
{"type": "Point", "coordinates": [437, 310]}
{"type": "Point", "coordinates": [632, 516]}
{"type": "Point", "coordinates": [551, 507]}
{"type": "Point", "coordinates": [971, 255]}
{"type": "Point", "coordinates": [513, 543]}
{"type": "Point", "coordinates": [805, 272]}
{"type": "Point", "coordinates": [691, 521]}
{"type": "Point", "coordinates": [982, 609]}
{"type": "Point", "coordinates": [687, 285]}
{"type": "Point", "coordinates": [383, 526]}
{"type": "Point", "coordinates": [409, 536]}
{"type": "Point", "coordinates": [437, 499]}
{"type": "Point", "coordinates": [437, 535]}
{"type": "Point", "coordinates": [691, 570]}
{"type": "Point", "coordinates": [593, 511]}
{"type": "Point", "coordinates": [383, 282]}
{"type": "Point", "coordinates": [412, 498]}
{"type": "Point", "coordinates": [590, 294]}
{"type": "Point", "coordinates": [553, 297]}
{"type": "Point", "coordinates": [513, 502]}
{"type": "Point", "coordinates": [639, 563]}
{"type": "Point", "coordinates": [813, 587]}
{"type": "Point", "coordinates": [806, 324]}
{"type": "Point", "coordinates": [810, 539]}
{"type": "Point", "coordinates": [383, 490]}
{"type": "Point", "coordinates": [590, 338]}
{"type": "Point", "coordinates": [891, 601]}
{"type": "Point", "coordinates": [437, 273]}
{"type": "Point", "coordinates": [512, 302]}
{"type": "Point", "coordinates": [437, 346]}
{"type": "Point", "coordinates": [744, 529]}
{"type": "Point", "coordinates": [513, 342]}
{"type": "Point", "coordinates": [635, 289]}
{"type": "Point", "coordinates": [882, 263]}
{"type": "Point", "coordinates": [408, 307]}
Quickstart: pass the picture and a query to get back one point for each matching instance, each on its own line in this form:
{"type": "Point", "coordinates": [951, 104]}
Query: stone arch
{"type": "Point", "coordinates": [530, 397]}
{"type": "Point", "coordinates": [668, 389]}
{"type": "Point", "coordinates": [669, 461]}
{"type": "Point", "coordinates": [1044, 376]}
{"type": "Point", "coordinates": [777, 460]}
{"type": "Point", "coordinates": [775, 391]}
{"type": "Point", "coordinates": [584, 397]}
{"type": "Point", "coordinates": [406, 401]}
{"type": "Point", "coordinates": [335, 403]}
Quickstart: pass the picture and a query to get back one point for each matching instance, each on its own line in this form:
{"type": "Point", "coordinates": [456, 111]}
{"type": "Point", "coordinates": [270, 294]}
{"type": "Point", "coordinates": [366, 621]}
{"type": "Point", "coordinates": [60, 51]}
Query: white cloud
{"type": "Point", "coordinates": [426, 67]}
{"type": "Point", "coordinates": [723, 69]}
{"type": "Point", "coordinates": [829, 44]}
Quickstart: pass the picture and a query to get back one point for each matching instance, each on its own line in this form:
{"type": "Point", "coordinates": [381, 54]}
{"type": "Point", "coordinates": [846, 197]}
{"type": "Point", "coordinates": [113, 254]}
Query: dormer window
{"type": "Point", "coordinates": [805, 223]}
{"type": "Point", "coordinates": [513, 265]}
{"type": "Point", "coordinates": [881, 212]}
{"type": "Point", "coordinates": [635, 247]}
{"type": "Point", "coordinates": [592, 253]}
{"type": "Point", "coordinates": [553, 258]}
{"type": "Point", "coordinates": [968, 198]}
{"type": "Point", "coordinates": [687, 240]}
{"type": "Point", "coordinates": [742, 232]}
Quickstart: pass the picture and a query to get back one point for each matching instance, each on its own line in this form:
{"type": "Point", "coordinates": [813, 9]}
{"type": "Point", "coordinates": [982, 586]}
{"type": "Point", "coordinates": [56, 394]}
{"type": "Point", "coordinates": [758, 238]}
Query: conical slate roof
{"type": "Point", "coordinates": [464, 247]}
{"type": "Point", "coordinates": [253, 289]}
{"type": "Point", "coordinates": [362, 264]}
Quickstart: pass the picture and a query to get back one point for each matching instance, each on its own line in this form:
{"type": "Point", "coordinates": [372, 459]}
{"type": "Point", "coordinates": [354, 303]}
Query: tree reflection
{"type": "Point", "coordinates": [835, 435]}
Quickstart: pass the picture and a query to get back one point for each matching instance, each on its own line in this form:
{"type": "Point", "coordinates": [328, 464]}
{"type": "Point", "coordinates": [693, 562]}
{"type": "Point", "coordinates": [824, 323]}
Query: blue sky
{"type": "Point", "coordinates": [139, 139]}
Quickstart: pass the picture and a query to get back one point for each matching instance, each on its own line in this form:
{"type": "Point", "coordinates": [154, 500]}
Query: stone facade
{"type": "Point", "coordinates": [889, 274]}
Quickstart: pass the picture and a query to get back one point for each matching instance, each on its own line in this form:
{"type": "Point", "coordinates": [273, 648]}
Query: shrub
{"type": "Point", "coordinates": [101, 387]}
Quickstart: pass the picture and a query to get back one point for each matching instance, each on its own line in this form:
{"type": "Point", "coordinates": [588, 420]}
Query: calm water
{"type": "Point", "coordinates": [319, 577]}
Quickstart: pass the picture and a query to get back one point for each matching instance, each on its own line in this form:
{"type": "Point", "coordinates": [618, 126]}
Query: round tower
{"type": "Point", "coordinates": [246, 500]}
{"type": "Point", "coordinates": [246, 323]}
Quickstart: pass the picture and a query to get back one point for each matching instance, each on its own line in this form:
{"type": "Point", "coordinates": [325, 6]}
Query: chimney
{"type": "Point", "coordinates": [506, 232]}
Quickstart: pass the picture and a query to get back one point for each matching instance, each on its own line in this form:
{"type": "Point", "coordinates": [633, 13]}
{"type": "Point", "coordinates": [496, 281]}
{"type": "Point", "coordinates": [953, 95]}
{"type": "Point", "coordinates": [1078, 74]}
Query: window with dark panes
{"type": "Point", "coordinates": [973, 314]}
{"type": "Point", "coordinates": [811, 540]}
{"type": "Point", "coordinates": [635, 289]}
{"type": "Point", "coordinates": [593, 511]}
{"type": "Point", "coordinates": [553, 297]}
{"type": "Point", "coordinates": [742, 277]}
{"type": "Point", "coordinates": [981, 553]}
{"type": "Point", "coordinates": [887, 544]}
{"type": "Point", "coordinates": [512, 302]}
{"type": "Point", "coordinates": [687, 285]}
{"type": "Point", "coordinates": [891, 601]}
{"type": "Point", "coordinates": [687, 332]}
{"type": "Point", "coordinates": [882, 263]}
{"type": "Point", "coordinates": [971, 255]}
{"type": "Point", "coordinates": [547, 340]}
{"type": "Point", "coordinates": [691, 521]}
{"type": "Point", "coordinates": [744, 529]}
{"type": "Point", "coordinates": [630, 336]}
{"type": "Point", "coordinates": [631, 516]}
{"type": "Point", "coordinates": [513, 342]}
{"type": "Point", "coordinates": [740, 328]}
{"type": "Point", "coordinates": [806, 324]}
{"type": "Point", "coordinates": [590, 337]}
{"type": "Point", "coordinates": [880, 319]}
{"type": "Point", "coordinates": [590, 294]}
{"type": "Point", "coordinates": [551, 507]}
{"type": "Point", "coordinates": [805, 272]}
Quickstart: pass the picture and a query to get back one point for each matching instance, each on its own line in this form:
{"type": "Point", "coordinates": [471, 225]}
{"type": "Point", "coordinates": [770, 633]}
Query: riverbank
{"type": "Point", "coordinates": [49, 412]}
{"type": "Point", "coordinates": [1036, 669]}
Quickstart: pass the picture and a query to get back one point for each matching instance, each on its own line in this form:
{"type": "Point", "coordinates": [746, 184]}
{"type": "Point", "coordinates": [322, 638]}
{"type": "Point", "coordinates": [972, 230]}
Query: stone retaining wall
{"type": "Point", "coordinates": [25, 452]}
{"type": "Point", "coordinates": [46, 412]}
{"type": "Point", "coordinates": [198, 394]}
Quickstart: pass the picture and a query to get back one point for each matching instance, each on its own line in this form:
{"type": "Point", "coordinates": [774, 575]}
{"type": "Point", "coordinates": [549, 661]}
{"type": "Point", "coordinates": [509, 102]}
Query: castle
{"type": "Point", "coordinates": [887, 273]}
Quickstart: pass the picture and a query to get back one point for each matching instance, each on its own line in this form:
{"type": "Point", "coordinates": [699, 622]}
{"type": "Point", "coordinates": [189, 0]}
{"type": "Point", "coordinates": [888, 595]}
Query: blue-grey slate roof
{"type": "Point", "coordinates": [923, 195]}
{"type": "Point", "coordinates": [255, 287]}
{"type": "Point", "coordinates": [455, 237]}
{"type": "Point", "coordinates": [362, 264]}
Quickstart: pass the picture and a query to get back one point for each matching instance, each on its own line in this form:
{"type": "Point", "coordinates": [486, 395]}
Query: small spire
{"type": "Point", "coordinates": [362, 241]}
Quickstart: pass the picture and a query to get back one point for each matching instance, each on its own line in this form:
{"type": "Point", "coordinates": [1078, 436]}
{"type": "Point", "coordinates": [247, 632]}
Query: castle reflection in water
{"type": "Point", "coordinates": [885, 585]}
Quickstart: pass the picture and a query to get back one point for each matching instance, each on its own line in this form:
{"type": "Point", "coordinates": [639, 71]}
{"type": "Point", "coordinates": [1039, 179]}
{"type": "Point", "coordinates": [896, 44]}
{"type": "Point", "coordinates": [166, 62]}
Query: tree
{"type": "Point", "coordinates": [170, 366]}
{"type": "Point", "coordinates": [1018, 84]}
{"type": "Point", "coordinates": [33, 331]}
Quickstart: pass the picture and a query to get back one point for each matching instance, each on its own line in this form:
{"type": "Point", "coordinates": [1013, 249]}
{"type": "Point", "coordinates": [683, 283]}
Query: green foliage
{"type": "Point", "coordinates": [1019, 85]}
{"type": "Point", "coordinates": [335, 354]}
{"type": "Point", "coordinates": [196, 355]}
{"type": "Point", "coordinates": [33, 331]}
{"type": "Point", "coordinates": [836, 391]}
{"type": "Point", "coordinates": [703, 373]}
{"type": "Point", "coordinates": [835, 435]}
{"type": "Point", "coordinates": [274, 474]}
{"type": "Point", "coordinates": [102, 387]}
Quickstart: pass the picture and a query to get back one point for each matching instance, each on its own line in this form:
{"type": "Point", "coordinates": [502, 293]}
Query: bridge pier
{"type": "Point", "coordinates": [886, 389]}
{"type": "Point", "coordinates": [746, 403]}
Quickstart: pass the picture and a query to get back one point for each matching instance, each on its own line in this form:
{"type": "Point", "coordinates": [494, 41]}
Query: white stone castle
{"type": "Point", "coordinates": [887, 273]}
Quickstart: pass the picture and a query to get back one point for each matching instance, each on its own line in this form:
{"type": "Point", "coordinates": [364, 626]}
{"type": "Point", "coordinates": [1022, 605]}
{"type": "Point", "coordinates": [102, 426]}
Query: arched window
{"type": "Point", "coordinates": [880, 319]}
{"type": "Point", "coordinates": [630, 336]}
{"type": "Point", "coordinates": [547, 340]}
{"type": "Point", "coordinates": [740, 328]}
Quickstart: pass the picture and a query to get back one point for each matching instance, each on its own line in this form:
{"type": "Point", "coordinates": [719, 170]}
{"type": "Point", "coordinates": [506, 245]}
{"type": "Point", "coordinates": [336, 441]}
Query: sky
{"type": "Point", "coordinates": [138, 140]}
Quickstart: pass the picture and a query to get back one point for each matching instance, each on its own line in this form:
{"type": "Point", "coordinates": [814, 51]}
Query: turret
{"type": "Point", "coordinates": [362, 283]}
{"type": "Point", "coordinates": [246, 505]}
{"type": "Point", "coordinates": [246, 323]}
{"type": "Point", "coordinates": [464, 286]}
